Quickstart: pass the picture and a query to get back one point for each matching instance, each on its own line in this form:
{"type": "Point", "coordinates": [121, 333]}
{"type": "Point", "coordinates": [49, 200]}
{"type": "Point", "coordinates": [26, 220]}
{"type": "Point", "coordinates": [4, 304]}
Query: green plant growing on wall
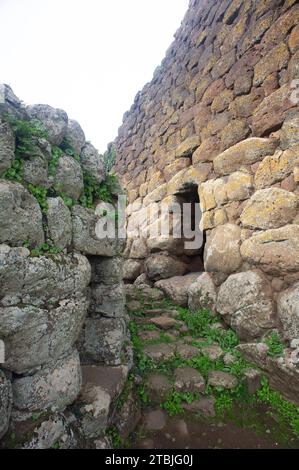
{"type": "Point", "coordinates": [15, 172]}
{"type": "Point", "coordinates": [26, 134]}
{"type": "Point", "coordinates": [40, 194]}
{"type": "Point", "coordinates": [109, 158]}
{"type": "Point", "coordinates": [275, 345]}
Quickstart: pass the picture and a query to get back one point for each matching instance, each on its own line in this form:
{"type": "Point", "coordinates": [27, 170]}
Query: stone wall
{"type": "Point", "coordinates": [62, 302]}
{"type": "Point", "coordinates": [221, 115]}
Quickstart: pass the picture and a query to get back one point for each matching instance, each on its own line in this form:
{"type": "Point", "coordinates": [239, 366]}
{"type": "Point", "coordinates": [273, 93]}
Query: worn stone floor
{"type": "Point", "coordinates": [195, 388]}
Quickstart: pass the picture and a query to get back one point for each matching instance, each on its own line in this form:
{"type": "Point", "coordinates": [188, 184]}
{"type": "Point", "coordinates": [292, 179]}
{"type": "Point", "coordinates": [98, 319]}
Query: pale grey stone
{"type": "Point", "coordinates": [36, 171]}
{"type": "Point", "coordinates": [104, 340]}
{"type": "Point", "coordinates": [52, 388]}
{"type": "Point", "coordinates": [5, 403]}
{"type": "Point", "coordinates": [69, 177]}
{"type": "Point", "coordinates": [108, 271]}
{"type": "Point", "coordinates": [20, 215]}
{"type": "Point", "coordinates": [35, 336]}
{"type": "Point", "coordinates": [59, 223]}
{"type": "Point", "coordinates": [202, 293]}
{"type": "Point", "coordinates": [92, 162]}
{"type": "Point", "coordinates": [54, 120]}
{"type": "Point", "coordinates": [132, 269]}
{"type": "Point", "coordinates": [75, 135]}
{"type": "Point", "coordinates": [7, 146]}
{"type": "Point", "coordinates": [85, 238]}
{"type": "Point", "coordinates": [41, 281]}
{"type": "Point", "coordinates": [176, 288]}
{"type": "Point", "coordinates": [288, 312]}
{"type": "Point", "coordinates": [108, 301]}
{"type": "Point", "coordinates": [246, 299]}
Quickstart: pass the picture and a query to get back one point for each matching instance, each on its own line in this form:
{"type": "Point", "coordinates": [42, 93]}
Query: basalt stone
{"type": "Point", "coordinates": [92, 162]}
{"type": "Point", "coordinates": [20, 216]}
{"type": "Point", "coordinates": [245, 300]}
{"type": "Point", "coordinates": [53, 387]}
{"type": "Point", "coordinates": [54, 120]}
{"type": "Point", "coordinates": [7, 146]}
{"type": "Point", "coordinates": [75, 136]}
{"type": "Point", "coordinates": [69, 177]}
{"type": "Point", "coordinates": [5, 403]}
{"type": "Point", "coordinates": [59, 223]}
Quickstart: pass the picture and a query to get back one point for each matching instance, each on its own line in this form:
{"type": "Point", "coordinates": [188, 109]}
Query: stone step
{"type": "Point", "coordinates": [159, 352]}
{"type": "Point", "coordinates": [222, 379]}
{"type": "Point", "coordinates": [164, 323]}
{"type": "Point", "coordinates": [205, 406]}
{"type": "Point", "coordinates": [100, 386]}
{"type": "Point", "coordinates": [187, 379]}
{"type": "Point", "coordinates": [157, 387]}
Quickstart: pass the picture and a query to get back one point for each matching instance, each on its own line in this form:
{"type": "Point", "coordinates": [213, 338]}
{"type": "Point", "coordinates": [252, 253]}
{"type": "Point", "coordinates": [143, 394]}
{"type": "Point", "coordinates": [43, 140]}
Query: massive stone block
{"type": "Point", "coordinates": [20, 216]}
{"type": "Point", "coordinates": [275, 251]}
{"type": "Point", "coordinates": [52, 388]}
{"type": "Point", "coordinates": [5, 403]}
{"type": "Point", "coordinates": [7, 146]}
{"type": "Point", "coordinates": [244, 153]}
{"type": "Point", "coordinates": [269, 208]}
{"type": "Point", "coordinates": [59, 222]}
{"type": "Point", "coordinates": [245, 299]}
{"type": "Point", "coordinates": [222, 250]}
{"type": "Point", "coordinates": [54, 120]}
{"type": "Point", "coordinates": [92, 162]}
{"type": "Point", "coordinates": [69, 177]}
{"type": "Point", "coordinates": [288, 312]}
{"type": "Point", "coordinates": [75, 136]}
{"type": "Point", "coordinates": [35, 336]}
{"type": "Point", "coordinates": [202, 293]}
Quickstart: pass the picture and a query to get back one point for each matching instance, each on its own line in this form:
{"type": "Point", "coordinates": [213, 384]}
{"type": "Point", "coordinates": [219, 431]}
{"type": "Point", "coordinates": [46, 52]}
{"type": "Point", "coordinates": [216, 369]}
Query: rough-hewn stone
{"type": "Point", "coordinates": [20, 216]}
{"type": "Point", "coordinates": [269, 208]}
{"type": "Point", "coordinates": [176, 288]}
{"type": "Point", "coordinates": [222, 250]}
{"type": "Point", "coordinates": [275, 251]}
{"type": "Point", "coordinates": [245, 300]}
{"type": "Point", "coordinates": [5, 403]}
{"type": "Point", "coordinates": [54, 120]}
{"type": "Point", "coordinates": [53, 387]}
{"type": "Point", "coordinates": [7, 146]}
{"type": "Point", "coordinates": [202, 293]}
{"type": "Point", "coordinates": [288, 312]}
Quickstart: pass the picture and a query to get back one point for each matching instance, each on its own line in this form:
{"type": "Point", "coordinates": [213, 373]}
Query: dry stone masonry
{"type": "Point", "coordinates": [62, 305]}
{"type": "Point", "coordinates": [219, 125]}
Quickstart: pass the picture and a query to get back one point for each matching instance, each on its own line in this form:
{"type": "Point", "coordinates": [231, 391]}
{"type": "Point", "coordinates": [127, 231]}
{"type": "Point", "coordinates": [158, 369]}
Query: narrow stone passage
{"type": "Point", "coordinates": [195, 388]}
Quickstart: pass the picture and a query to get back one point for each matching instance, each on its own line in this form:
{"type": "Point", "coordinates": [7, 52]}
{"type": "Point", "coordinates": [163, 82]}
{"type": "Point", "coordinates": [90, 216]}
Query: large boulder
{"type": "Point", "coordinates": [274, 251]}
{"type": "Point", "coordinates": [7, 146]}
{"type": "Point", "coordinates": [10, 103]}
{"type": "Point", "coordinates": [276, 167]}
{"type": "Point", "coordinates": [55, 121]}
{"type": "Point", "coordinates": [92, 162]}
{"type": "Point", "coordinates": [75, 136]}
{"type": "Point", "coordinates": [290, 130]}
{"type": "Point", "coordinates": [35, 336]}
{"type": "Point", "coordinates": [245, 300]}
{"type": "Point", "coordinates": [222, 249]}
{"type": "Point", "coordinates": [42, 281]}
{"type": "Point", "coordinates": [269, 208]}
{"type": "Point", "coordinates": [176, 288]}
{"type": "Point", "coordinates": [288, 312]}
{"type": "Point", "coordinates": [20, 216]}
{"type": "Point", "coordinates": [69, 177]}
{"type": "Point", "coordinates": [85, 237]}
{"type": "Point", "coordinates": [108, 271]}
{"type": "Point", "coordinates": [103, 340]}
{"type": "Point", "coordinates": [5, 403]}
{"type": "Point", "coordinates": [202, 293]}
{"type": "Point", "coordinates": [53, 387]}
{"type": "Point", "coordinates": [163, 266]}
{"type": "Point", "coordinates": [35, 170]}
{"type": "Point", "coordinates": [108, 300]}
{"type": "Point", "coordinates": [246, 152]}
{"type": "Point", "coordinates": [59, 222]}
{"type": "Point", "coordinates": [132, 269]}
{"type": "Point", "coordinates": [100, 387]}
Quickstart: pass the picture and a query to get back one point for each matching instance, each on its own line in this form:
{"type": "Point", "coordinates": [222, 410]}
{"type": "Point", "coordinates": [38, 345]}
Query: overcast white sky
{"type": "Point", "coordinates": [88, 57]}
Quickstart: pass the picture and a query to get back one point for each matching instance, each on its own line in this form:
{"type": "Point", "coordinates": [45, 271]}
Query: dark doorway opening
{"type": "Point", "coordinates": [188, 195]}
